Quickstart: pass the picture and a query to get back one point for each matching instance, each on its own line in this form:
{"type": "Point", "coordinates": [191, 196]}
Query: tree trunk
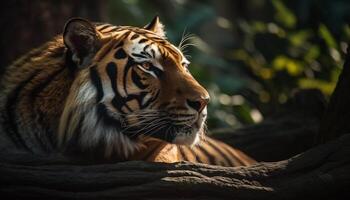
{"type": "Point", "coordinates": [336, 120]}
{"type": "Point", "coordinates": [320, 173]}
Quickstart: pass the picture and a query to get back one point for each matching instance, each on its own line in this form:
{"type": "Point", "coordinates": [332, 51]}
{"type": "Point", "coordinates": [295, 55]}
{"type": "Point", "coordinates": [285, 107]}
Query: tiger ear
{"type": "Point", "coordinates": [82, 39]}
{"type": "Point", "coordinates": [156, 26]}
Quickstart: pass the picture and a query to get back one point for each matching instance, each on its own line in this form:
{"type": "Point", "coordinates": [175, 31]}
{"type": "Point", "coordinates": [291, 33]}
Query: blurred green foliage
{"type": "Point", "coordinates": [251, 55]}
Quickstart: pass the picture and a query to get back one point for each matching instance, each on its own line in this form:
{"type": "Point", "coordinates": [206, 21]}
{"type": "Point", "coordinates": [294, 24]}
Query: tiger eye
{"type": "Point", "coordinates": [146, 65]}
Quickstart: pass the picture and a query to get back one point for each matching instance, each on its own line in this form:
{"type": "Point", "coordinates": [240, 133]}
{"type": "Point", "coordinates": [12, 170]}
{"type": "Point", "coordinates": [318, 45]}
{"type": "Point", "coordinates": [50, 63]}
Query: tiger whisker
{"type": "Point", "coordinates": [134, 123]}
{"type": "Point", "coordinates": [183, 48]}
{"type": "Point", "coordinates": [137, 120]}
{"type": "Point", "coordinates": [155, 128]}
{"type": "Point", "coordinates": [185, 37]}
{"type": "Point", "coordinates": [158, 128]}
{"type": "Point", "coordinates": [144, 133]}
{"type": "Point", "coordinates": [138, 123]}
{"type": "Point", "coordinates": [154, 123]}
{"type": "Point", "coordinates": [143, 112]}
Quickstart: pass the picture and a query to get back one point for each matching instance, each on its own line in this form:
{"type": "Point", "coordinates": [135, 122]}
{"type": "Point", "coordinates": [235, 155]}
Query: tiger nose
{"type": "Point", "coordinates": [198, 104]}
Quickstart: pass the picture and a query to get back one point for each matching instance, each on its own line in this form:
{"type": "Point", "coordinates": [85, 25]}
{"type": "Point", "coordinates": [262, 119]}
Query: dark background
{"type": "Point", "coordinates": [250, 54]}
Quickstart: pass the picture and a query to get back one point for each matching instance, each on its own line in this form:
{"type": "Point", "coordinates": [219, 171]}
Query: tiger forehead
{"type": "Point", "coordinates": [164, 47]}
{"type": "Point", "coordinates": [111, 30]}
{"type": "Point", "coordinates": [144, 38]}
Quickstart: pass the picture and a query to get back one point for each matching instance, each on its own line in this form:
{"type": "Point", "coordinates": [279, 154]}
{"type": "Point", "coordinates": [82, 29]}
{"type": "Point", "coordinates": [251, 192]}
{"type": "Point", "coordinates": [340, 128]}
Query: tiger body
{"type": "Point", "coordinates": [110, 93]}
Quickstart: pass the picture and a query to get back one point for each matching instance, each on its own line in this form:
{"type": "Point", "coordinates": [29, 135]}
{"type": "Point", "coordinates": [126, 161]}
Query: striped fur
{"type": "Point", "coordinates": [111, 93]}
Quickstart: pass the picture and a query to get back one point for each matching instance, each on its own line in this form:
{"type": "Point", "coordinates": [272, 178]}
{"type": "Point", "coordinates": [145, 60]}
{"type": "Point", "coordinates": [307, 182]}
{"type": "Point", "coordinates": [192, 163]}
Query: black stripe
{"type": "Point", "coordinates": [134, 36]}
{"type": "Point", "coordinates": [127, 67]}
{"type": "Point", "coordinates": [96, 81]}
{"type": "Point", "coordinates": [158, 72]}
{"type": "Point", "coordinates": [138, 55]}
{"type": "Point", "coordinates": [118, 101]}
{"type": "Point", "coordinates": [183, 154]}
{"type": "Point", "coordinates": [104, 27]}
{"type": "Point", "coordinates": [198, 159]}
{"type": "Point", "coordinates": [10, 119]}
{"type": "Point", "coordinates": [111, 70]}
{"type": "Point", "coordinates": [233, 156]}
{"type": "Point", "coordinates": [137, 80]}
{"type": "Point", "coordinates": [227, 159]}
{"type": "Point", "coordinates": [212, 160]}
{"type": "Point", "coordinates": [120, 54]}
{"type": "Point", "coordinates": [138, 98]}
{"type": "Point", "coordinates": [146, 47]}
{"type": "Point", "coordinates": [160, 40]}
{"type": "Point", "coordinates": [143, 40]}
{"type": "Point", "coordinates": [153, 53]}
{"type": "Point", "coordinates": [147, 103]}
{"type": "Point", "coordinates": [146, 54]}
{"type": "Point", "coordinates": [127, 34]}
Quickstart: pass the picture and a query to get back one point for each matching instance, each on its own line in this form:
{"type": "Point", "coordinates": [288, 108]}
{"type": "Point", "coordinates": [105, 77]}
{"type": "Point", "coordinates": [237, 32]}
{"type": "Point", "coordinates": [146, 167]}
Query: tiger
{"type": "Point", "coordinates": [110, 93]}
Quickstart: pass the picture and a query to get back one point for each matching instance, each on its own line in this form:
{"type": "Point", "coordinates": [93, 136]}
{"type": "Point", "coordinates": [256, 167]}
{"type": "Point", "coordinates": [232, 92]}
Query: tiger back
{"type": "Point", "coordinates": [111, 93]}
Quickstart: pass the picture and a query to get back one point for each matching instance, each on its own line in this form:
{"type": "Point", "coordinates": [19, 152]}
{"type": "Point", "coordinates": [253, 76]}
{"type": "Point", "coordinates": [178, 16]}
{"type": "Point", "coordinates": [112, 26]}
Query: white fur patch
{"type": "Point", "coordinates": [194, 137]}
{"type": "Point", "coordinates": [82, 105]}
{"type": "Point", "coordinates": [187, 139]}
{"type": "Point", "coordinates": [94, 132]}
{"type": "Point", "coordinates": [85, 93]}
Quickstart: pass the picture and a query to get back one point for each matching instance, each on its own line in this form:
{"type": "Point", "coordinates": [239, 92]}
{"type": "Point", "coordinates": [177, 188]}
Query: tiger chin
{"type": "Point", "coordinates": [112, 93]}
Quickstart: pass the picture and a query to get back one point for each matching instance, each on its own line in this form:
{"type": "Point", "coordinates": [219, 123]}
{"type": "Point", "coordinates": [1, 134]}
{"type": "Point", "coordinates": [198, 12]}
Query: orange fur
{"type": "Point", "coordinates": [41, 104]}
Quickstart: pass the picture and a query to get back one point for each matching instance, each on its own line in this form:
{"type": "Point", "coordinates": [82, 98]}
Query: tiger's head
{"type": "Point", "coordinates": [130, 84]}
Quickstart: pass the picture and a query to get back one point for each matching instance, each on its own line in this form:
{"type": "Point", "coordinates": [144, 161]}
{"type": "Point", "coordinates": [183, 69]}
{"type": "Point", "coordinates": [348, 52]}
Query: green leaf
{"type": "Point", "coordinates": [284, 15]}
{"type": "Point", "coordinates": [327, 36]}
{"type": "Point", "coordinates": [300, 37]}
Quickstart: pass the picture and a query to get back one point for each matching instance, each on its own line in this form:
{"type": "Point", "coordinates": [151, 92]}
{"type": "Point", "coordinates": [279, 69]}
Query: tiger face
{"type": "Point", "coordinates": [131, 84]}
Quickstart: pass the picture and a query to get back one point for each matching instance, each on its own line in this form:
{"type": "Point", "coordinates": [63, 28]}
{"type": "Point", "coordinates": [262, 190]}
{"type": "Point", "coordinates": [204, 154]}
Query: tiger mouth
{"type": "Point", "coordinates": [163, 126]}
